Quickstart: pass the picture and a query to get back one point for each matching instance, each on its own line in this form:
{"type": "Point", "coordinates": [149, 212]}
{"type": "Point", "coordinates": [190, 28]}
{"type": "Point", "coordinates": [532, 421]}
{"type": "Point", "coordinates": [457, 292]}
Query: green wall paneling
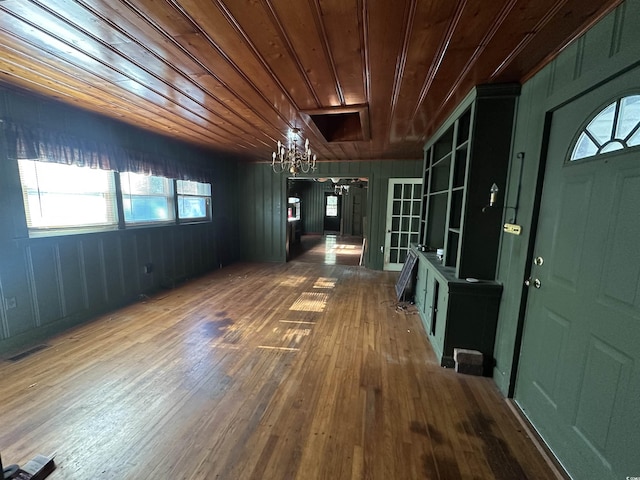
{"type": "Point", "coordinates": [45, 282]}
{"type": "Point", "coordinates": [60, 281]}
{"type": "Point", "coordinates": [73, 284]}
{"type": "Point", "coordinates": [15, 285]}
{"type": "Point", "coordinates": [94, 272]}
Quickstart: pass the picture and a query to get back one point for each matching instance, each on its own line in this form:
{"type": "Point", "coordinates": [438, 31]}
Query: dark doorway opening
{"type": "Point", "coordinates": [332, 213]}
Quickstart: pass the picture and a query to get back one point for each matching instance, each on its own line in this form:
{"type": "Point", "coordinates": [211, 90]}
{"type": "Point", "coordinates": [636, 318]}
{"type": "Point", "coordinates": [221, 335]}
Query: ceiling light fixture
{"type": "Point", "coordinates": [291, 158]}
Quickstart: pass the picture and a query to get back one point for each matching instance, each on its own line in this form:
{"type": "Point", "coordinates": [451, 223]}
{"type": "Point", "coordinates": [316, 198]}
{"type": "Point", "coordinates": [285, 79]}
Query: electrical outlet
{"type": "Point", "coordinates": [10, 303]}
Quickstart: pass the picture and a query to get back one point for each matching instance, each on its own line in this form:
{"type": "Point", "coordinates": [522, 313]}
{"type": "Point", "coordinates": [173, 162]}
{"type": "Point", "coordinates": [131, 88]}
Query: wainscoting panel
{"type": "Point", "coordinates": [62, 281]}
{"type": "Point", "coordinates": [45, 281]}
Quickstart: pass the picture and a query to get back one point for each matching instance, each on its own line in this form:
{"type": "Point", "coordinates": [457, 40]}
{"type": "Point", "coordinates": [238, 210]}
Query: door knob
{"type": "Point", "coordinates": [536, 282]}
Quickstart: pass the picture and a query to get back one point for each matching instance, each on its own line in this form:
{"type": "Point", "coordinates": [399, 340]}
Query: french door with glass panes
{"type": "Point", "coordinates": [403, 220]}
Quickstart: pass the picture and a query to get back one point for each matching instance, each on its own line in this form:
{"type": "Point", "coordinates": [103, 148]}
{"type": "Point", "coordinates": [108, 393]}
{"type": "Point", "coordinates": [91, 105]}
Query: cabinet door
{"type": "Point", "coordinates": [421, 295]}
{"type": "Point", "coordinates": [440, 299]}
{"type": "Point", "coordinates": [421, 286]}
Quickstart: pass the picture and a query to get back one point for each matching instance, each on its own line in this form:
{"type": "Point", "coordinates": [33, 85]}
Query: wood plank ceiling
{"type": "Point", "coordinates": [236, 75]}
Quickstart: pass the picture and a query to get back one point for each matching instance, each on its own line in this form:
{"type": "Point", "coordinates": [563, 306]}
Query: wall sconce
{"type": "Point", "coordinates": [493, 195]}
{"type": "Point", "coordinates": [511, 226]}
{"type": "Point", "coordinates": [493, 191]}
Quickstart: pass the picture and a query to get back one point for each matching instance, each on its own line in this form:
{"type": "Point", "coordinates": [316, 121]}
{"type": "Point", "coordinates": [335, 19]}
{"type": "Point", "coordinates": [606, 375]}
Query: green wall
{"type": "Point", "coordinates": [263, 205]}
{"type": "Point", "coordinates": [61, 281]}
{"type": "Point", "coordinates": [605, 51]}
{"type": "Point", "coordinates": [311, 196]}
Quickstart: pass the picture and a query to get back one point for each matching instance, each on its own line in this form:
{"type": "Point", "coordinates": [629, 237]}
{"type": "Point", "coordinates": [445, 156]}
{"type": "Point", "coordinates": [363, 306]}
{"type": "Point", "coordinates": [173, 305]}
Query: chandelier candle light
{"type": "Point", "coordinates": [291, 158]}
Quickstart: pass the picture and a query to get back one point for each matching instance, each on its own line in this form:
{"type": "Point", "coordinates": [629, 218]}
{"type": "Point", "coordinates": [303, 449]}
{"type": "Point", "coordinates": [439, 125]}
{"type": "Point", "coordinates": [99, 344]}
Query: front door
{"type": "Point", "coordinates": [332, 212]}
{"type": "Point", "coordinates": [579, 375]}
{"type": "Point", "coordinates": [403, 220]}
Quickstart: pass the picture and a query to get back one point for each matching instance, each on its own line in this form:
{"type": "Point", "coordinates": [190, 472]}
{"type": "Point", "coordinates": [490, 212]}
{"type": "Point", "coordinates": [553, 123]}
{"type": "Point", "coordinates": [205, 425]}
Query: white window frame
{"type": "Point", "coordinates": [187, 190]}
{"type": "Point", "coordinates": [113, 200]}
{"type": "Point", "coordinates": [36, 188]}
{"type": "Point", "coordinates": [613, 128]}
{"type": "Point", "coordinates": [167, 195]}
{"type": "Point", "coordinates": [331, 210]}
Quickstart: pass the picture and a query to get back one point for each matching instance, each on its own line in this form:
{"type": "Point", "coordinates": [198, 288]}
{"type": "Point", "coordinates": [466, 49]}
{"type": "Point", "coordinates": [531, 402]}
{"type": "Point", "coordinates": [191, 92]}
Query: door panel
{"type": "Point", "coordinates": [579, 377]}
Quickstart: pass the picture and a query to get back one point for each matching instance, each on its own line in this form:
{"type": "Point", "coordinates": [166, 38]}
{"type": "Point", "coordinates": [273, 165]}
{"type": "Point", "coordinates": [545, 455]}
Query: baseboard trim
{"type": "Point", "coordinates": [558, 470]}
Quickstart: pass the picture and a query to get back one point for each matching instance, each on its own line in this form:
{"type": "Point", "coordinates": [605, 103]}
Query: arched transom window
{"type": "Point", "coordinates": [615, 127]}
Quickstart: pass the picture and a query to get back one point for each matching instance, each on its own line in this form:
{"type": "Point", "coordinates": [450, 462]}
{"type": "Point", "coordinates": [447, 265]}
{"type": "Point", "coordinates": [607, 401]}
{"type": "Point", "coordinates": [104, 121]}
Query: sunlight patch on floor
{"type": "Point", "coordinates": [346, 247]}
{"type": "Point", "coordinates": [310, 302]}
{"type": "Point", "coordinates": [293, 281]}
{"type": "Point", "coordinates": [296, 334]}
{"type": "Point", "coordinates": [286, 349]}
{"type": "Point", "coordinates": [325, 282]}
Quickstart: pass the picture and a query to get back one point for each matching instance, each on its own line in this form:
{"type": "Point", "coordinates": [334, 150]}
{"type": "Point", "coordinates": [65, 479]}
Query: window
{"type": "Point", "coordinates": [194, 200]}
{"type": "Point", "coordinates": [616, 127]}
{"type": "Point", "coordinates": [332, 206]}
{"type": "Point", "coordinates": [60, 196]}
{"type": "Point", "coordinates": [146, 198]}
{"type": "Point", "coordinates": [293, 209]}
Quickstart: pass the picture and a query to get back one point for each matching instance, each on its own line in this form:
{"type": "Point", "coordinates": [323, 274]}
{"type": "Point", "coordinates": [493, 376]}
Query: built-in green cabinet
{"type": "Point", "coordinates": [462, 162]}
{"type": "Point", "coordinates": [456, 313]}
{"type": "Point", "coordinates": [456, 293]}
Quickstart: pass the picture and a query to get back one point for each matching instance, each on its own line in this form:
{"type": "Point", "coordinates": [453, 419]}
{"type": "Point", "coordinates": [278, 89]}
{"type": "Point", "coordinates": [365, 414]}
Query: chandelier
{"type": "Point", "coordinates": [291, 158]}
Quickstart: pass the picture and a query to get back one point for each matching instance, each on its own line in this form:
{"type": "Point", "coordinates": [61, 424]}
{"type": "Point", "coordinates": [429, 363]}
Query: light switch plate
{"type": "Point", "coordinates": [512, 228]}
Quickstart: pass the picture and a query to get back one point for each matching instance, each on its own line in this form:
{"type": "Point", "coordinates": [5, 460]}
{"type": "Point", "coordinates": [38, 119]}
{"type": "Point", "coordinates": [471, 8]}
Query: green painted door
{"type": "Point", "coordinates": [579, 374]}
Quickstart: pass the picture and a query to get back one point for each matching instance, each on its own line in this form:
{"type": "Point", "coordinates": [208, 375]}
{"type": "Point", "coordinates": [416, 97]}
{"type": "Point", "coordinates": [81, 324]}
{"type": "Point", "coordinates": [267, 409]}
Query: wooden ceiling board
{"type": "Point", "coordinates": [342, 29]}
{"type": "Point", "coordinates": [298, 30]}
{"type": "Point", "coordinates": [233, 44]}
{"type": "Point", "coordinates": [475, 28]}
{"type": "Point", "coordinates": [104, 100]}
{"type": "Point", "coordinates": [250, 82]}
{"type": "Point", "coordinates": [236, 75]}
{"type": "Point", "coordinates": [550, 37]}
{"type": "Point", "coordinates": [429, 25]}
{"type": "Point", "coordinates": [387, 23]}
{"type": "Point", "coordinates": [272, 49]}
{"type": "Point", "coordinates": [28, 78]}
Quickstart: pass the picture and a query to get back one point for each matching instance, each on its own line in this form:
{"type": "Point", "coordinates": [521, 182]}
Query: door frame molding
{"type": "Point", "coordinates": [535, 216]}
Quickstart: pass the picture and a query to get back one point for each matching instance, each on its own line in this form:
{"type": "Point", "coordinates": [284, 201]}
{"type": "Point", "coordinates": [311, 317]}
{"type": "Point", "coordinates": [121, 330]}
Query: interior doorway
{"type": "Point", "coordinates": [332, 221]}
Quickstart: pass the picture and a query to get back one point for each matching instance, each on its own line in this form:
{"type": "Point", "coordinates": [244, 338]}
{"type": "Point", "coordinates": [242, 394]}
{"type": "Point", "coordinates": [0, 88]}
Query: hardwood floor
{"type": "Point", "coordinates": [279, 371]}
{"type": "Point", "coordinates": [327, 250]}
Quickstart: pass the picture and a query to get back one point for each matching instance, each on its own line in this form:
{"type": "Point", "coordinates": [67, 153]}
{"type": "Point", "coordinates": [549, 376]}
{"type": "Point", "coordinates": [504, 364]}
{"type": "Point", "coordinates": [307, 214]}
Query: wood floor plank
{"type": "Point", "coordinates": [259, 371]}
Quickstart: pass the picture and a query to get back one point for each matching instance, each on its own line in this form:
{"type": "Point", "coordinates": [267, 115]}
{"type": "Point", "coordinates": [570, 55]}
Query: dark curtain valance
{"type": "Point", "coordinates": [36, 143]}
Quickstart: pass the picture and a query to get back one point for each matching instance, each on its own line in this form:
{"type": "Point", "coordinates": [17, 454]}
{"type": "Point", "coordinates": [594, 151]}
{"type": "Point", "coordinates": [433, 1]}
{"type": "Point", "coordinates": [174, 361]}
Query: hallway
{"type": "Point", "coordinates": [327, 249]}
